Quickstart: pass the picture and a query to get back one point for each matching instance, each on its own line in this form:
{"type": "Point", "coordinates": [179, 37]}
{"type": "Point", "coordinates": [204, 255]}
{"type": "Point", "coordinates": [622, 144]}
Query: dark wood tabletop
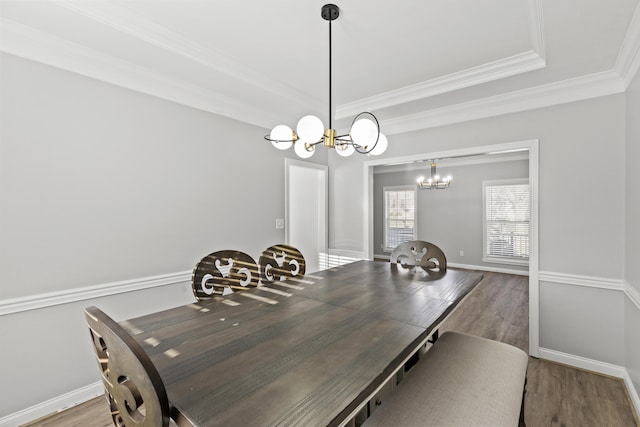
{"type": "Point", "coordinates": [304, 352]}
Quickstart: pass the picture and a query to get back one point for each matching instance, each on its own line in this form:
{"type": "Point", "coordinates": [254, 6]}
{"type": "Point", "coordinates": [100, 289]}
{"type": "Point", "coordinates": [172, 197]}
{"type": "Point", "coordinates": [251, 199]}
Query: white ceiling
{"type": "Point", "coordinates": [414, 64]}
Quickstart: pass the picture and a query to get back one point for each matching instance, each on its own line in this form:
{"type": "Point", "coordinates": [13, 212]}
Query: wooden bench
{"type": "Point", "coordinates": [462, 380]}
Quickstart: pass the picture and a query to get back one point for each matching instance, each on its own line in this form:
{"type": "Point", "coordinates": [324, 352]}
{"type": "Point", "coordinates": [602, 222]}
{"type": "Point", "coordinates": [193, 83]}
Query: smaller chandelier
{"type": "Point", "coordinates": [434, 182]}
{"type": "Point", "coordinates": [364, 135]}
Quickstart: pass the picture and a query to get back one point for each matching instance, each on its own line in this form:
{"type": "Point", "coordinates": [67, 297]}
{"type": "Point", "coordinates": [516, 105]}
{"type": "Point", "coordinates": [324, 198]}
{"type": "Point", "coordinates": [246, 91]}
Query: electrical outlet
{"type": "Point", "coordinates": [279, 223]}
{"type": "Point", "coordinates": [461, 252]}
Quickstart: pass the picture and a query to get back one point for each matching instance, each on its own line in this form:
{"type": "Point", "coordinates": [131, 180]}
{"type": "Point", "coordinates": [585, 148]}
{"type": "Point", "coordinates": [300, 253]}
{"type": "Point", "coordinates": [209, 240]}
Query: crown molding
{"type": "Point", "coordinates": [505, 67]}
{"type": "Point", "coordinates": [134, 25]}
{"type": "Point", "coordinates": [536, 27]}
{"type": "Point", "coordinates": [533, 59]}
{"type": "Point", "coordinates": [32, 44]}
{"type": "Point", "coordinates": [575, 89]}
{"type": "Point", "coordinates": [628, 60]}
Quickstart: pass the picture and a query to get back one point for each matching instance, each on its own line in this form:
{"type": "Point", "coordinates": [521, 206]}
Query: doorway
{"type": "Point", "coordinates": [531, 146]}
{"type": "Point", "coordinates": [306, 210]}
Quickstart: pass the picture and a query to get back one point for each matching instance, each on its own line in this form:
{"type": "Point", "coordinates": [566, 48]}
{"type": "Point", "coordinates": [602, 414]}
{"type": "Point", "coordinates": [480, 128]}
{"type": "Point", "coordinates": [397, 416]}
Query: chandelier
{"type": "Point", "coordinates": [434, 182]}
{"type": "Point", "coordinates": [364, 135]}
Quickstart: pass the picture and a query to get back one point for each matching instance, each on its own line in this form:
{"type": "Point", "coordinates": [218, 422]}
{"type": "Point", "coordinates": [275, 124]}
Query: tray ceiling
{"type": "Point", "coordinates": [414, 64]}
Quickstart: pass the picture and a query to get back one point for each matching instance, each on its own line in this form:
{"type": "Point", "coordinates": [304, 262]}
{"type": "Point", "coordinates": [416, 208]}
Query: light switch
{"type": "Point", "coordinates": [279, 223]}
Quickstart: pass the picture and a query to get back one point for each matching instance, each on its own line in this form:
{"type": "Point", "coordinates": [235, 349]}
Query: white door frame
{"type": "Point", "coordinates": [323, 234]}
{"type": "Point", "coordinates": [534, 160]}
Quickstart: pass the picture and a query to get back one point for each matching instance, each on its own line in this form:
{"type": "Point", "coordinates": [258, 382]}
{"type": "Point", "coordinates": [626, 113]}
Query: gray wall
{"type": "Point", "coordinates": [578, 209]}
{"type": "Point", "coordinates": [451, 218]}
{"type": "Point", "coordinates": [632, 231]}
{"type": "Point", "coordinates": [98, 185]}
{"type": "Point", "coordinates": [581, 215]}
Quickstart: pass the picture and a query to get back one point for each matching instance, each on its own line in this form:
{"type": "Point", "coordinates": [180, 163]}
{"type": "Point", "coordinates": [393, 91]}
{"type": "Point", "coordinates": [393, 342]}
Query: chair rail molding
{"type": "Point", "coordinates": [65, 296]}
{"type": "Point", "coordinates": [578, 280]}
{"type": "Point", "coordinates": [633, 294]}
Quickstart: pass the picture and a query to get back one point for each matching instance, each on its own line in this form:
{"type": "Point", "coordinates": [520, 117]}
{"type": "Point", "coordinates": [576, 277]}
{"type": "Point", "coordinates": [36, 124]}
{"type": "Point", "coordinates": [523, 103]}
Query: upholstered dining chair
{"type": "Point", "coordinates": [278, 262]}
{"type": "Point", "coordinates": [133, 387]}
{"type": "Point", "coordinates": [222, 273]}
{"type": "Point", "coordinates": [418, 253]}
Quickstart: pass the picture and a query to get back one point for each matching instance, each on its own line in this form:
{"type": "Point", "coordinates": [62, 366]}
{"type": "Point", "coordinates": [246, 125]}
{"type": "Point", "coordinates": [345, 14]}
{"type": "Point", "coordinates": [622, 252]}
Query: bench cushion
{"type": "Point", "coordinates": [462, 380]}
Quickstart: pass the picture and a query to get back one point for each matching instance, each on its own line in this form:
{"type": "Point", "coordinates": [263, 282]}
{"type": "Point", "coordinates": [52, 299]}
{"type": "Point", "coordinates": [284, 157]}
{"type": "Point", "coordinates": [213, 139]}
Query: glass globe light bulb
{"type": "Point", "coordinates": [281, 137]}
{"type": "Point", "coordinates": [345, 150]}
{"type": "Point", "coordinates": [300, 147]}
{"type": "Point", "coordinates": [364, 133]}
{"type": "Point", "coordinates": [381, 146]}
{"type": "Point", "coordinates": [310, 129]}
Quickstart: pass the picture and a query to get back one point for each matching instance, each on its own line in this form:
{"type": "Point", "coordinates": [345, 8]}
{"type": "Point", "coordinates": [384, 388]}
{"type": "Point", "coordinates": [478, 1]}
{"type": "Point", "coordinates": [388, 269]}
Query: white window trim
{"type": "Point", "coordinates": [498, 259]}
{"type": "Point", "coordinates": [384, 212]}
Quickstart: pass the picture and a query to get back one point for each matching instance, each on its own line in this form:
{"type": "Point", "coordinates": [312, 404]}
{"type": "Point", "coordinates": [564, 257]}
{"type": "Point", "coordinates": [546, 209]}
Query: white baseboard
{"type": "Point", "coordinates": [347, 254]}
{"type": "Point", "coordinates": [594, 366]}
{"type": "Point", "coordinates": [583, 363]}
{"type": "Point", "coordinates": [490, 269]}
{"type": "Point", "coordinates": [54, 405]}
{"type": "Point", "coordinates": [633, 393]}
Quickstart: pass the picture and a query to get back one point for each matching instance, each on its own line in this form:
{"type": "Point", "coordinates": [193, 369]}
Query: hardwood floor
{"type": "Point", "coordinates": [557, 395]}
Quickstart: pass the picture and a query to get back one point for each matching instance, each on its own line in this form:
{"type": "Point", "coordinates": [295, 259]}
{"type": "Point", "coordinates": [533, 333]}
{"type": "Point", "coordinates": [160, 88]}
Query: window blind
{"type": "Point", "coordinates": [400, 215]}
{"type": "Point", "coordinates": [506, 220]}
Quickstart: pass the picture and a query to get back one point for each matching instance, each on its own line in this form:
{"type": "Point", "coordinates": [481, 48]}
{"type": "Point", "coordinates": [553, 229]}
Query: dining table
{"type": "Point", "coordinates": [302, 351]}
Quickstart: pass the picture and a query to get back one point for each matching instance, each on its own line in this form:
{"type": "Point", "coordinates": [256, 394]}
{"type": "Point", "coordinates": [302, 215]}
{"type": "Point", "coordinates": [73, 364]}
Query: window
{"type": "Point", "coordinates": [399, 215]}
{"type": "Point", "coordinates": [506, 221]}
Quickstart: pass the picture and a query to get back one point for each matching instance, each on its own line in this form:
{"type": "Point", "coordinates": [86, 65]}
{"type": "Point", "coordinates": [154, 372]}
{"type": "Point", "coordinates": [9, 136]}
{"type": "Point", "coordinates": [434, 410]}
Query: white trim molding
{"type": "Point", "coordinates": [488, 268]}
{"type": "Point", "coordinates": [583, 362]}
{"type": "Point", "coordinates": [523, 62]}
{"type": "Point", "coordinates": [633, 294]}
{"type": "Point", "coordinates": [66, 296]}
{"type": "Point", "coordinates": [134, 25]}
{"type": "Point", "coordinates": [505, 67]}
{"type": "Point", "coordinates": [586, 281]}
{"type": "Point", "coordinates": [536, 27]}
{"type": "Point", "coordinates": [57, 404]}
{"type": "Point", "coordinates": [570, 90]}
{"type": "Point", "coordinates": [633, 393]}
{"type": "Point", "coordinates": [26, 42]}
{"type": "Point", "coordinates": [594, 366]}
{"type": "Point", "coordinates": [628, 60]}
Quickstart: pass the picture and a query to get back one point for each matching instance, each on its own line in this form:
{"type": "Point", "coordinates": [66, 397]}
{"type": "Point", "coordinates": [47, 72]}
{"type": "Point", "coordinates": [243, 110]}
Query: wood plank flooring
{"type": "Point", "coordinates": [557, 395]}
